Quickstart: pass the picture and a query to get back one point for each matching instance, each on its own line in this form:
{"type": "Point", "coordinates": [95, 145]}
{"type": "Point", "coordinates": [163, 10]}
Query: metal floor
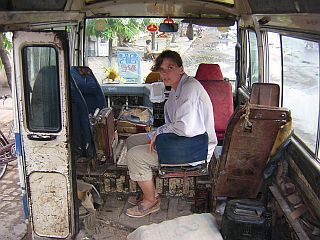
{"type": "Point", "coordinates": [114, 209]}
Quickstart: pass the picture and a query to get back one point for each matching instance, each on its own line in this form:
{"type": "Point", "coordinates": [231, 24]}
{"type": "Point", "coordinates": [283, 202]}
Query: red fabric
{"type": "Point", "coordinates": [220, 93]}
{"type": "Point", "coordinates": [208, 71]}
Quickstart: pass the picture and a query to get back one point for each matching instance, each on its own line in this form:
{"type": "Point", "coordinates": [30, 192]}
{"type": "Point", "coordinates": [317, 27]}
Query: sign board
{"type": "Point", "coordinates": [168, 20]}
{"type": "Point", "coordinates": [152, 27]}
{"type": "Point", "coordinates": [129, 66]}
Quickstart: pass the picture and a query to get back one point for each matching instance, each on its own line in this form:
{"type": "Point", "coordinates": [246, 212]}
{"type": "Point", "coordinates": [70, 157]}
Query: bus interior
{"type": "Point", "coordinates": [83, 83]}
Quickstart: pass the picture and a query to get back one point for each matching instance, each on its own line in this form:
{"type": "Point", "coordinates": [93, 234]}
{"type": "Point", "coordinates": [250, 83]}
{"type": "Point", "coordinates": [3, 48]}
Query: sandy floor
{"type": "Point", "coordinates": [13, 226]}
{"type": "Point", "coordinates": [12, 221]}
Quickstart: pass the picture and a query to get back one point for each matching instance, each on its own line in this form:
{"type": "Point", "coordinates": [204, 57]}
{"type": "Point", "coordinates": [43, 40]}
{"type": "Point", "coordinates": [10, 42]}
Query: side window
{"type": "Point", "coordinates": [301, 86]}
{"type": "Point", "coordinates": [252, 71]}
{"type": "Point", "coordinates": [298, 59]}
{"type": "Point", "coordinates": [274, 58]}
{"type": "Point", "coordinates": [42, 101]}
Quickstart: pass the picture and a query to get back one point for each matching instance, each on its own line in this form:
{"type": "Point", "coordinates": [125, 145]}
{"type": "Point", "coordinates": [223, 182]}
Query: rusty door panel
{"type": "Point", "coordinates": [46, 153]}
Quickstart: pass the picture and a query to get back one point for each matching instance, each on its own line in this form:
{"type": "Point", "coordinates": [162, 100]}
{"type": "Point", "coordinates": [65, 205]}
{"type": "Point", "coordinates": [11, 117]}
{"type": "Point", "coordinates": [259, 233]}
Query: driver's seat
{"type": "Point", "coordinates": [188, 158]}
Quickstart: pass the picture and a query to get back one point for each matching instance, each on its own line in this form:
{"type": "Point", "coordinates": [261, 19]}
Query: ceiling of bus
{"type": "Point", "coordinates": [32, 5]}
{"type": "Point", "coordinates": [20, 14]}
{"type": "Point", "coordinates": [221, 9]}
{"type": "Point", "coordinates": [182, 8]}
{"type": "Point", "coordinates": [284, 6]}
{"type": "Point", "coordinates": [191, 7]}
{"type": "Point", "coordinates": [229, 2]}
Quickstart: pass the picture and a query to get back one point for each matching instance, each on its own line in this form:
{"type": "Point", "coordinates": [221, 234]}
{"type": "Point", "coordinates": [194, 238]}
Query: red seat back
{"type": "Point", "coordinates": [220, 93]}
{"type": "Point", "coordinates": [208, 72]}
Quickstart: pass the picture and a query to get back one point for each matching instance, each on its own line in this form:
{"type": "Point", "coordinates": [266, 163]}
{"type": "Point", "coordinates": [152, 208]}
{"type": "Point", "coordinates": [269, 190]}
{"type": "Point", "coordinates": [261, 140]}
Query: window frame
{"type": "Point", "coordinates": [307, 37]}
{"type": "Point", "coordinates": [246, 76]}
{"type": "Point", "coordinates": [26, 82]}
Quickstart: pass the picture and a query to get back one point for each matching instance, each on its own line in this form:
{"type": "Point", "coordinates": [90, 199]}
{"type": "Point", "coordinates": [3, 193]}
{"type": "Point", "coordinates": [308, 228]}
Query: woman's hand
{"type": "Point", "coordinates": [153, 143]}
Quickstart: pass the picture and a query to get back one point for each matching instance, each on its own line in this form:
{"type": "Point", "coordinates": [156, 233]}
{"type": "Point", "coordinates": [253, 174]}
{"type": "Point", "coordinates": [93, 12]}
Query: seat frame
{"type": "Point", "coordinates": [239, 170]}
{"type": "Point", "coordinates": [185, 170]}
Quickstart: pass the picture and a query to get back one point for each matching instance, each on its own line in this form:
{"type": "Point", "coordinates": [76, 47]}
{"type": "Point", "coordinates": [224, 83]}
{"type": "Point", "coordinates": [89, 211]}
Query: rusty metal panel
{"type": "Point", "coordinates": [104, 134]}
{"type": "Point", "coordinates": [248, 142]}
{"type": "Point", "coordinates": [265, 94]}
{"type": "Point", "coordinates": [118, 181]}
{"type": "Point", "coordinates": [40, 153]}
{"type": "Point", "coordinates": [49, 195]}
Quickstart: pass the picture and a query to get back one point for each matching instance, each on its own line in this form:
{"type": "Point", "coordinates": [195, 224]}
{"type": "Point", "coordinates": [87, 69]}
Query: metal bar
{"type": "Point", "coordinates": [294, 223]}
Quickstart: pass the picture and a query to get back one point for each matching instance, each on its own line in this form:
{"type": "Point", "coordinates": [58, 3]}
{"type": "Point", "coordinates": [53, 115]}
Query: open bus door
{"type": "Point", "coordinates": [41, 78]}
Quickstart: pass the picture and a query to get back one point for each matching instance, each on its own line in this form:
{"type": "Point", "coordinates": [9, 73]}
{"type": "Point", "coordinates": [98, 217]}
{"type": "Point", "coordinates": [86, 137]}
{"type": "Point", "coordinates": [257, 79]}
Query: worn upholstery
{"type": "Point", "coordinates": [251, 134]}
{"type": "Point", "coordinates": [209, 72]}
{"type": "Point", "coordinates": [82, 141]}
{"type": "Point", "coordinates": [220, 93]}
{"type": "Point", "coordinates": [265, 94]}
{"type": "Point", "coordinates": [186, 149]}
{"type": "Point", "coordinates": [89, 87]}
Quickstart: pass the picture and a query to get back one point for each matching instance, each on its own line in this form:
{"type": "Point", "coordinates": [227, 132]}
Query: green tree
{"type": "Point", "coordinates": [5, 46]}
{"type": "Point", "coordinates": [122, 29]}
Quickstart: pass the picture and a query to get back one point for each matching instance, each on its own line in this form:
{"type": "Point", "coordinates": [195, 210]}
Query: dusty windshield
{"type": "Point", "coordinates": [122, 50]}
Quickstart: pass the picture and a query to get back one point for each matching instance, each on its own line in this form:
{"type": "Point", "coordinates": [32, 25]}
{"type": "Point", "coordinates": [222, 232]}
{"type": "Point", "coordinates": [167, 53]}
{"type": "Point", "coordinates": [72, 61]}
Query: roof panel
{"type": "Point", "coordinates": [284, 6]}
{"type": "Point", "coordinates": [32, 5]}
{"type": "Point", "coordinates": [227, 2]}
{"type": "Point", "coordinates": [148, 8]}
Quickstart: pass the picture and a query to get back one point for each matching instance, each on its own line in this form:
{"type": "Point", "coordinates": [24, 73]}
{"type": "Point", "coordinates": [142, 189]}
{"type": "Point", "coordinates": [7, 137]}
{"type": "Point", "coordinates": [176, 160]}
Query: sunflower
{"type": "Point", "coordinates": [111, 73]}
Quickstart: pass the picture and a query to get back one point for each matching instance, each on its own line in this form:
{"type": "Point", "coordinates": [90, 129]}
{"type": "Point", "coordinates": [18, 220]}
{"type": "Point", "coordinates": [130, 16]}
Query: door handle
{"type": "Point", "coordinates": [37, 137]}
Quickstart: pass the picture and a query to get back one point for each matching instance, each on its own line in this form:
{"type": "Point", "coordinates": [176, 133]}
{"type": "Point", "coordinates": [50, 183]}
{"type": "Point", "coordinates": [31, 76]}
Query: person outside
{"type": "Point", "coordinates": [148, 54]}
{"type": "Point", "coordinates": [188, 113]}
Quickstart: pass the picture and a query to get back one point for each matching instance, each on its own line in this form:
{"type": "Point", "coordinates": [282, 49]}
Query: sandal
{"type": "Point", "coordinates": [139, 211]}
{"type": "Point", "coordinates": [135, 200]}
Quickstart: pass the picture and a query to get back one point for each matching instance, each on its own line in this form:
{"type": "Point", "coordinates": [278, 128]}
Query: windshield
{"type": "Point", "coordinates": [122, 50]}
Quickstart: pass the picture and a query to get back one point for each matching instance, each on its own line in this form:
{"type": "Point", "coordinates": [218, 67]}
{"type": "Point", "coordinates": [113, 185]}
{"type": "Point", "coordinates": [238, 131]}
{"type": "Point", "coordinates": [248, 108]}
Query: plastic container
{"type": "Point", "coordinates": [157, 92]}
{"type": "Point", "coordinates": [246, 219]}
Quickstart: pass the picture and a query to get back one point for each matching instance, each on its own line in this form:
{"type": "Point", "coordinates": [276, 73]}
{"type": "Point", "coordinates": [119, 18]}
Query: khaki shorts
{"type": "Point", "coordinates": [139, 158]}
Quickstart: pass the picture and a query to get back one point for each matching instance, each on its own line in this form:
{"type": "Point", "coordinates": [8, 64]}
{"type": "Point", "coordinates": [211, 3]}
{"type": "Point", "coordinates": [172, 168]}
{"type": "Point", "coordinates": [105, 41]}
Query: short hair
{"type": "Point", "coordinates": [173, 55]}
{"type": "Point", "coordinates": [148, 41]}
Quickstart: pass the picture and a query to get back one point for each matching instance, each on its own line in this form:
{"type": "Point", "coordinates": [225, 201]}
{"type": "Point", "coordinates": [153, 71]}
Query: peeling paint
{"type": "Point", "coordinates": [49, 204]}
{"type": "Point", "coordinates": [47, 163]}
{"type": "Point", "coordinates": [120, 183]}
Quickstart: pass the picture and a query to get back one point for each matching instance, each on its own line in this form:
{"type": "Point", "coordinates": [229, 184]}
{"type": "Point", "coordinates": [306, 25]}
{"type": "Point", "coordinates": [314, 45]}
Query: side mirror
{"type": "Point", "coordinates": [168, 27]}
